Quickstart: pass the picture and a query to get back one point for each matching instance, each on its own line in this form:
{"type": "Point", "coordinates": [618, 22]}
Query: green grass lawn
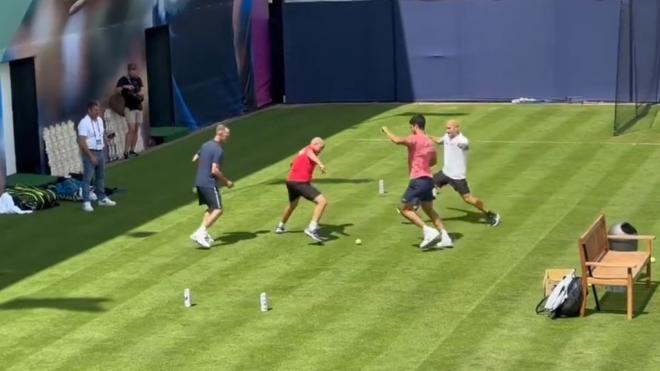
{"type": "Point", "coordinates": [104, 290]}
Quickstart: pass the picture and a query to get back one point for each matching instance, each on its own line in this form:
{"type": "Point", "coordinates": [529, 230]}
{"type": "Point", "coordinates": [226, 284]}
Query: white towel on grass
{"type": "Point", "coordinates": [7, 205]}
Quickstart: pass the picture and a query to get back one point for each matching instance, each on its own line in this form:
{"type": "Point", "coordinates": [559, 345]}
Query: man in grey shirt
{"type": "Point", "coordinates": [209, 164]}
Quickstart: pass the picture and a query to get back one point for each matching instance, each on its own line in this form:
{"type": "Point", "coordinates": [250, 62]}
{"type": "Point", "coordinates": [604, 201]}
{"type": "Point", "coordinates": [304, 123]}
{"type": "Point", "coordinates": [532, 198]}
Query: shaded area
{"type": "Point", "coordinates": [329, 232]}
{"type": "Point", "coordinates": [615, 302]}
{"type": "Point", "coordinates": [230, 238]}
{"type": "Point", "coordinates": [141, 234]}
{"type": "Point", "coordinates": [71, 304]}
{"type": "Point", "coordinates": [160, 182]}
{"type": "Point", "coordinates": [470, 216]}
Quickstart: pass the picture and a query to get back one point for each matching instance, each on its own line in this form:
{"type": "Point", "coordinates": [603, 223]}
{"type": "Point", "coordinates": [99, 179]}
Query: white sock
{"type": "Point", "coordinates": [313, 225]}
{"type": "Point", "coordinates": [201, 230]}
{"type": "Point", "coordinates": [426, 230]}
{"type": "Point", "coordinates": [281, 225]}
{"type": "Point", "coordinates": [445, 235]}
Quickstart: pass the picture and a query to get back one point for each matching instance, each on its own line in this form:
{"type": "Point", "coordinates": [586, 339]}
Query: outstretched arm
{"type": "Point", "coordinates": [437, 140]}
{"type": "Point", "coordinates": [395, 139]}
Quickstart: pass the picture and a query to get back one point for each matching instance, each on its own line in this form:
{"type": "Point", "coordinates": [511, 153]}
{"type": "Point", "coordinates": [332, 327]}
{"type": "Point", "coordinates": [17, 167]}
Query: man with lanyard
{"type": "Point", "coordinates": [90, 140]}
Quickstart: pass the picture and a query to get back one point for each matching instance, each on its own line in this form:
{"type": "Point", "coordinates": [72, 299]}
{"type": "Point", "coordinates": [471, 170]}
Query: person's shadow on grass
{"type": "Point", "coordinates": [70, 304]}
{"type": "Point", "coordinates": [330, 232]}
{"type": "Point", "coordinates": [230, 238]}
{"type": "Point", "coordinates": [476, 217]}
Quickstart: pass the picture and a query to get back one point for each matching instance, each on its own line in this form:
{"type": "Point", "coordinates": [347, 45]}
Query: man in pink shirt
{"type": "Point", "coordinates": [421, 157]}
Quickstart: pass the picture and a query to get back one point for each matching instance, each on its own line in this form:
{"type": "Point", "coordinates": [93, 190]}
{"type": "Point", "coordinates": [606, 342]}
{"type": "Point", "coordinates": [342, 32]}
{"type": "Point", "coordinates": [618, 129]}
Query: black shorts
{"type": "Point", "coordinates": [419, 190]}
{"type": "Point", "coordinates": [209, 196]}
{"type": "Point", "coordinates": [297, 189]}
{"type": "Point", "coordinates": [459, 185]}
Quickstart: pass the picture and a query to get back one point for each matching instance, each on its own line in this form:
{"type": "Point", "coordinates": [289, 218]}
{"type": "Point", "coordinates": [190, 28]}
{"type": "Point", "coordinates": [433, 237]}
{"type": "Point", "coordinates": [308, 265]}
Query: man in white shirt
{"type": "Point", "coordinates": [90, 140]}
{"type": "Point", "coordinates": [456, 147]}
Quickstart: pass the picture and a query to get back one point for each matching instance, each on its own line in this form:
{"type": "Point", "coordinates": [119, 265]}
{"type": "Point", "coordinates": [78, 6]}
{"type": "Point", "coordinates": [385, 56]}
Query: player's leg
{"type": "Point", "coordinates": [209, 196]}
{"type": "Point", "coordinates": [418, 190]}
{"type": "Point", "coordinates": [440, 179]}
{"type": "Point", "coordinates": [137, 119]}
{"type": "Point", "coordinates": [309, 192]}
{"type": "Point", "coordinates": [445, 239]}
{"type": "Point", "coordinates": [426, 197]}
{"type": "Point", "coordinates": [294, 196]}
{"type": "Point", "coordinates": [129, 132]}
{"type": "Point", "coordinates": [461, 186]}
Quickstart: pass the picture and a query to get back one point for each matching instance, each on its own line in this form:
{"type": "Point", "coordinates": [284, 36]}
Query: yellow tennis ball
{"type": "Point", "coordinates": [358, 242]}
{"type": "Point", "coordinates": [652, 259]}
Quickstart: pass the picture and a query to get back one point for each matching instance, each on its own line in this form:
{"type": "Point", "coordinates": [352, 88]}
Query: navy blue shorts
{"type": "Point", "coordinates": [419, 190]}
{"type": "Point", "coordinates": [209, 196]}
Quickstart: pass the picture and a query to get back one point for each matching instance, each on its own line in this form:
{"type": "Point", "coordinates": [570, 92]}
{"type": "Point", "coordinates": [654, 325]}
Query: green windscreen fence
{"type": "Point", "coordinates": [638, 68]}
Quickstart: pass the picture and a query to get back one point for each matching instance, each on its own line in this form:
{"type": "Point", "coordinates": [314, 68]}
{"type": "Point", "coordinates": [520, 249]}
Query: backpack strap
{"type": "Point", "coordinates": [540, 307]}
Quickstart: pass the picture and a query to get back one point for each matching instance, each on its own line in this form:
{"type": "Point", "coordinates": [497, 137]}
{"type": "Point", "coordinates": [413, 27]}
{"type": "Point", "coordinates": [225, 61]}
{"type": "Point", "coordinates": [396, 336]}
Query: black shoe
{"type": "Point", "coordinates": [133, 153]}
{"type": "Point", "coordinates": [125, 155]}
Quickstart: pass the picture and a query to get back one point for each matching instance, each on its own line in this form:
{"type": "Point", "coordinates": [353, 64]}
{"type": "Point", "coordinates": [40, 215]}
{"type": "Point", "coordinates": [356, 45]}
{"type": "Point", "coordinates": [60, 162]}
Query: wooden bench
{"type": "Point", "coordinates": [604, 267]}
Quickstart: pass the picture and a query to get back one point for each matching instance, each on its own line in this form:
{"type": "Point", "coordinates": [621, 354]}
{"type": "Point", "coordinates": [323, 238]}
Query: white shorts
{"type": "Point", "coordinates": [133, 116]}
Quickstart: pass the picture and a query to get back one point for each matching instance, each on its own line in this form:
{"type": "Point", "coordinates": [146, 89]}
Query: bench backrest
{"type": "Point", "coordinates": [593, 244]}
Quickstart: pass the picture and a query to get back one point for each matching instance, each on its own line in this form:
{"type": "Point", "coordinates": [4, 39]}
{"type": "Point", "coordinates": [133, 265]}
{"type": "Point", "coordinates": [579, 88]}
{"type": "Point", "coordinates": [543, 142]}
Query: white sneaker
{"type": "Point", "coordinates": [429, 236]}
{"type": "Point", "coordinates": [314, 235]}
{"type": "Point", "coordinates": [445, 242]}
{"type": "Point", "coordinates": [200, 240]}
{"type": "Point", "coordinates": [87, 206]}
{"type": "Point", "coordinates": [280, 230]}
{"type": "Point", "coordinates": [107, 202]}
{"type": "Point", "coordinates": [209, 238]}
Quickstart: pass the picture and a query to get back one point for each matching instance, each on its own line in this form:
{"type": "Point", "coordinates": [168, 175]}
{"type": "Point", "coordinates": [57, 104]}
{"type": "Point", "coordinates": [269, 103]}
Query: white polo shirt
{"type": "Point", "coordinates": [455, 156]}
{"type": "Point", "coordinates": [93, 131]}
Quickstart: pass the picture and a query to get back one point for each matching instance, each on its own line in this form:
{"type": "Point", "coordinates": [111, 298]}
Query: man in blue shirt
{"type": "Point", "coordinates": [209, 172]}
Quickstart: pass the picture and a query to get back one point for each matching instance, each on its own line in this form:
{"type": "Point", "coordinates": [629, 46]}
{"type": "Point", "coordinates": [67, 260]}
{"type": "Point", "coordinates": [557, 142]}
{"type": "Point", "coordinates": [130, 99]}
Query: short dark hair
{"type": "Point", "coordinates": [131, 66]}
{"type": "Point", "coordinates": [419, 121]}
{"type": "Point", "coordinates": [93, 103]}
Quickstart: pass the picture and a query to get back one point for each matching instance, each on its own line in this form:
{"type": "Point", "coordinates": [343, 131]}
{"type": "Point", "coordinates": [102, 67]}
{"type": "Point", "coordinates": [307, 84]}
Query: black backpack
{"type": "Point", "coordinates": [570, 307]}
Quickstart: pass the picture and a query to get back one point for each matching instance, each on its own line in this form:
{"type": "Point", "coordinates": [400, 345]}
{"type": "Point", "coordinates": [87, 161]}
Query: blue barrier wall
{"type": "Point", "coordinates": [452, 49]}
{"type": "Point", "coordinates": [339, 51]}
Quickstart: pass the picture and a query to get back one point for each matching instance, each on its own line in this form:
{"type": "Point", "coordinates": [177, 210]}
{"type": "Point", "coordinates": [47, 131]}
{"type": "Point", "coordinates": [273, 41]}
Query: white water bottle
{"type": "Point", "coordinates": [263, 302]}
{"type": "Point", "coordinates": [187, 298]}
{"type": "Point", "coordinates": [381, 187]}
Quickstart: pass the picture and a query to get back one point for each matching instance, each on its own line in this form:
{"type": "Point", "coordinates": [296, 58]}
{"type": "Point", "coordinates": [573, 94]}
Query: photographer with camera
{"type": "Point", "coordinates": [130, 87]}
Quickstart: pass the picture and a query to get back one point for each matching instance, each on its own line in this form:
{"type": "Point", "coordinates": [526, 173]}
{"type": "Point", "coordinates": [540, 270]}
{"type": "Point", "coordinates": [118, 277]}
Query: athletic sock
{"type": "Point", "coordinates": [281, 225]}
{"type": "Point", "coordinates": [313, 225]}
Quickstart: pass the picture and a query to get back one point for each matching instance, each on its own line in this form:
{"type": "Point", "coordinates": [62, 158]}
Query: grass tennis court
{"type": "Point", "coordinates": [104, 290]}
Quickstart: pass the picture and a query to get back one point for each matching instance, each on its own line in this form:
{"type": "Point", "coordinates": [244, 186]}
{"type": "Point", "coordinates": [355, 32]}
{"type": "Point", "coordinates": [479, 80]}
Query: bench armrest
{"type": "Point", "coordinates": [631, 237]}
{"type": "Point", "coordinates": [607, 265]}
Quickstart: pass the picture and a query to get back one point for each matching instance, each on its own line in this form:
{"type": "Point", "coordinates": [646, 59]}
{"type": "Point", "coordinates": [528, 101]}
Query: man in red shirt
{"type": "Point", "coordinates": [298, 183]}
{"type": "Point", "coordinates": [421, 157]}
